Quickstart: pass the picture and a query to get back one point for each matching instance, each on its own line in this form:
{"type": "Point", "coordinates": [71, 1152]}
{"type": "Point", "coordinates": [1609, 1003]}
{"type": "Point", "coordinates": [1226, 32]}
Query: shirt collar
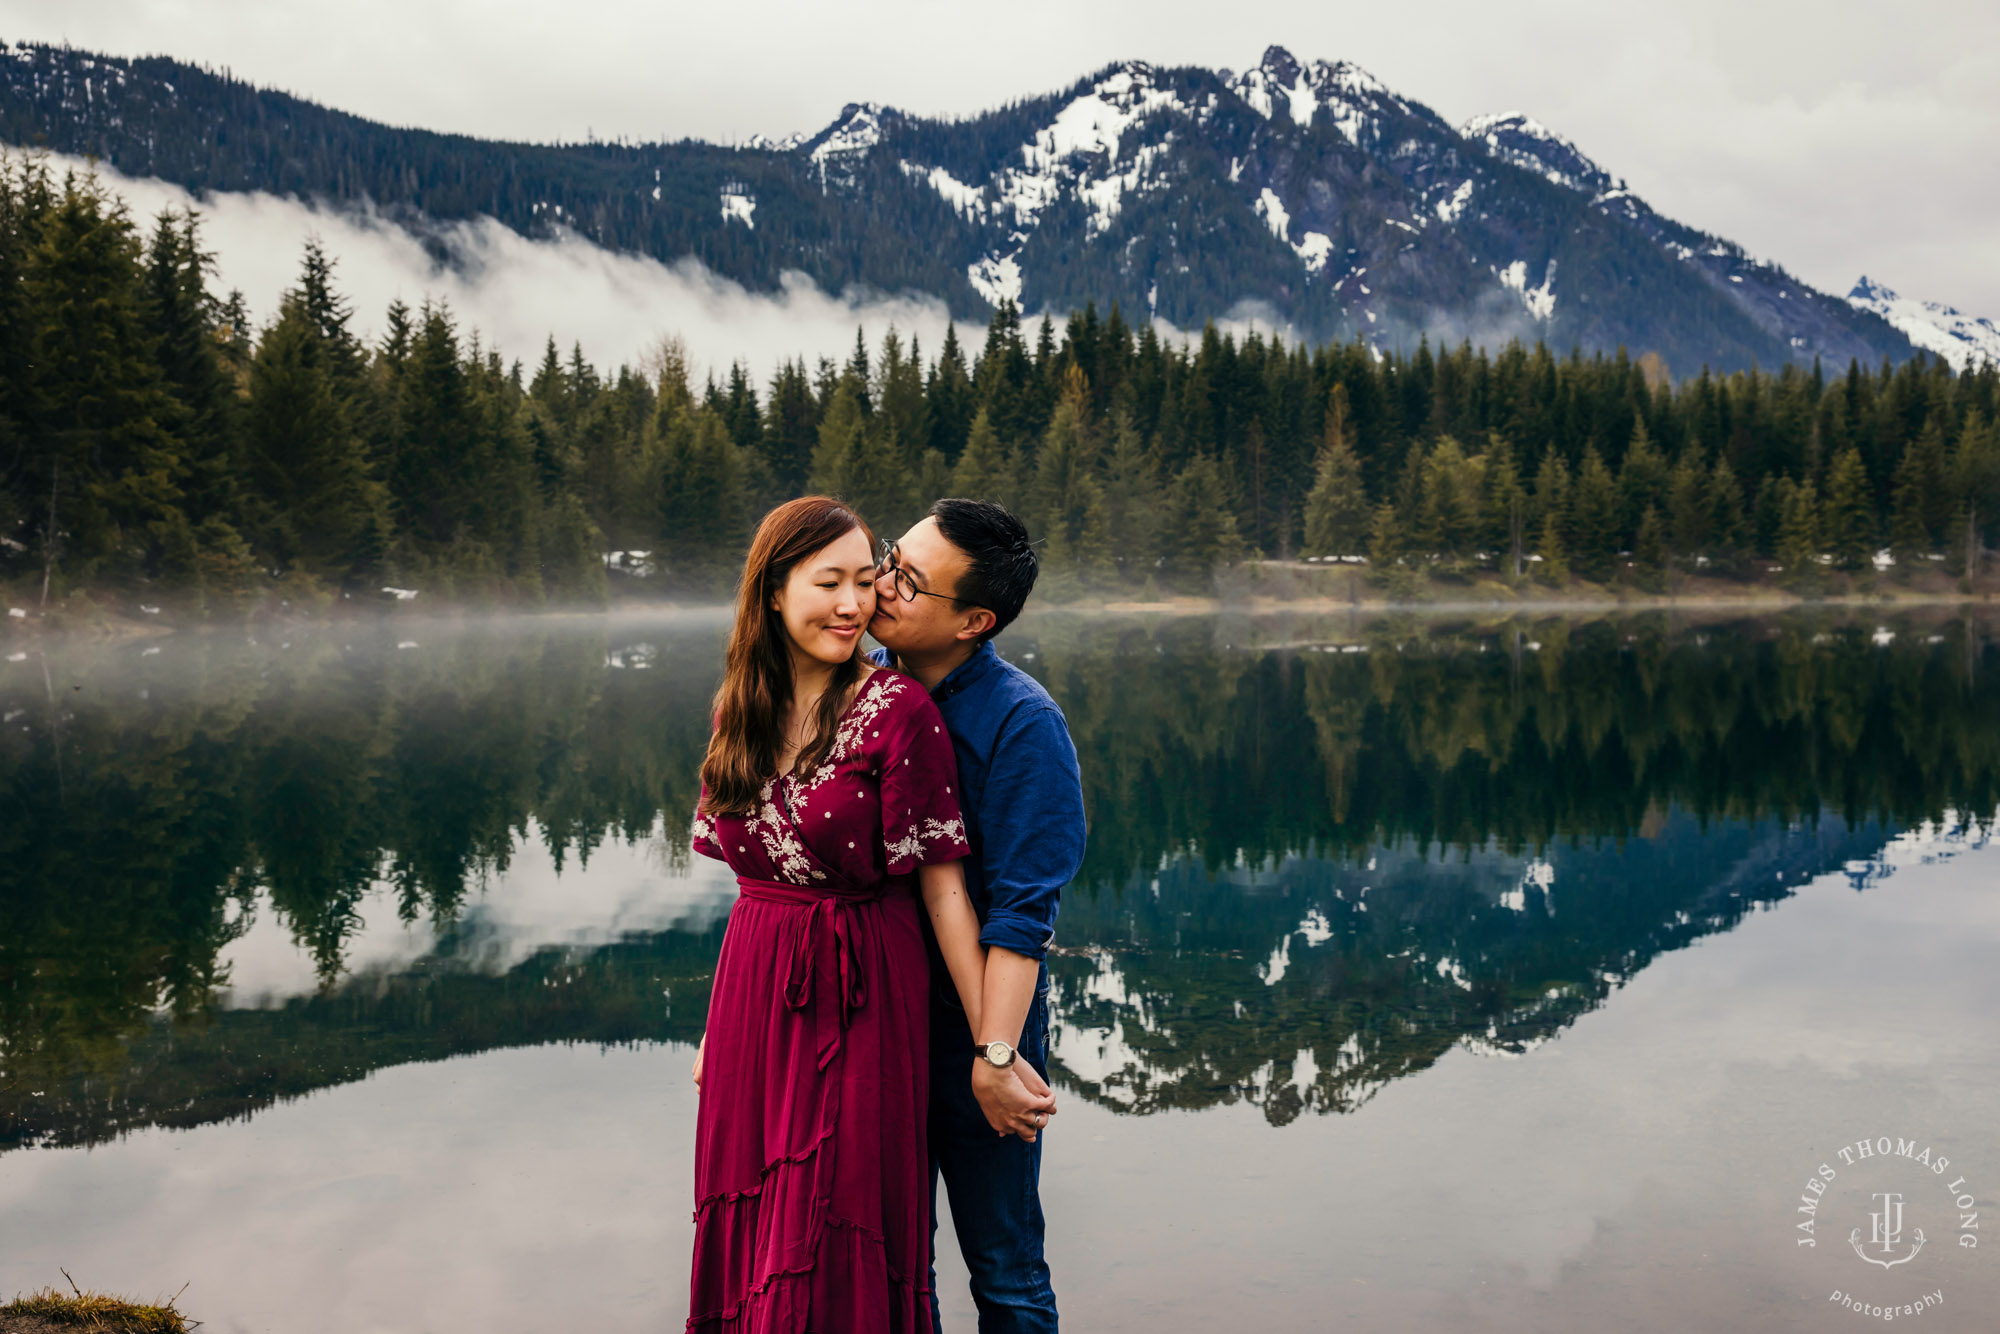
{"type": "Point", "coordinates": [983, 660]}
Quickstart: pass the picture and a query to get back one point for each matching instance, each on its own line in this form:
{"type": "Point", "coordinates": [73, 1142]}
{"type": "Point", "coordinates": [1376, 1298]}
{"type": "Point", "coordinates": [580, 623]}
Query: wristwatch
{"type": "Point", "coordinates": [996, 1054]}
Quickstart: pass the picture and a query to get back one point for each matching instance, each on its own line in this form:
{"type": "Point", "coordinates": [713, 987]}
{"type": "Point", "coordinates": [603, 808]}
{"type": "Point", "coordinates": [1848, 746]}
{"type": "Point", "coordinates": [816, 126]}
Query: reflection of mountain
{"type": "Point", "coordinates": [1307, 984]}
{"type": "Point", "coordinates": [152, 800]}
{"type": "Point", "coordinates": [234, 1062]}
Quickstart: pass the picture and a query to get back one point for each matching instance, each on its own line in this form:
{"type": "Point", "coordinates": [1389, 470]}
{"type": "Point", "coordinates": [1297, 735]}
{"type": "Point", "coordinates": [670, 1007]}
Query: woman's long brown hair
{"type": "Point", "coordinates": [756, 685]}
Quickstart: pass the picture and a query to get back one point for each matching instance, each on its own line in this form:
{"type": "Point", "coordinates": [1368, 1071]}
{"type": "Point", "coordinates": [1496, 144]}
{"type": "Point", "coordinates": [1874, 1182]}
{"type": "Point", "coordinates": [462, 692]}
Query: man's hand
{"type": "Point", "coordinates": [700, 1052]}
{"type": "Point", "coordinates": [1016, 1100]}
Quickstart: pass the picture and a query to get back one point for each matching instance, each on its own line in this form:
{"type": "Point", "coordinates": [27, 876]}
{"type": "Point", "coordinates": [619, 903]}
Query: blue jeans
{"type": "Point", "coordinates": [993, 1182]}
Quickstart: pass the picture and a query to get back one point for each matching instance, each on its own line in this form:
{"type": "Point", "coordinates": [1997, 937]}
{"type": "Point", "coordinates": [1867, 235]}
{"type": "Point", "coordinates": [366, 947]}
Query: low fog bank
{"type": "Point", "coordinates": [516, 292]}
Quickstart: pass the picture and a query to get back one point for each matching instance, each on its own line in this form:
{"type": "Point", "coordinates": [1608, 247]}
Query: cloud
{"type": "Point", "coordinates": [517, 292]}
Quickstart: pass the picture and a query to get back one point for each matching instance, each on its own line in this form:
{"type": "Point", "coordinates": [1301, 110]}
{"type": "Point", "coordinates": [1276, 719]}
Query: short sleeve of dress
{"type": "Point", "coordinates": [702, 832]}
{"type": "Point", "coordinates": [922, 824]}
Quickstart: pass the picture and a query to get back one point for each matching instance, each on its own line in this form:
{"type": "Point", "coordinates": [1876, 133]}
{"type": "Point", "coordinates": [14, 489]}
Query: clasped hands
{"type": "Point", "coordinates": [1016, 1100]}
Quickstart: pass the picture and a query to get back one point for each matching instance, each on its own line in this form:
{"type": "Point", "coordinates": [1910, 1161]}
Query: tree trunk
{"type": "Point", "coordinates": [49, 535]}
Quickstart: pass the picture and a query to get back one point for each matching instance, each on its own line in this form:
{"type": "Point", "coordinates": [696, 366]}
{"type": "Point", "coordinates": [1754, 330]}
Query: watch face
{"type": "Point", "coordinates": [998, 1053]}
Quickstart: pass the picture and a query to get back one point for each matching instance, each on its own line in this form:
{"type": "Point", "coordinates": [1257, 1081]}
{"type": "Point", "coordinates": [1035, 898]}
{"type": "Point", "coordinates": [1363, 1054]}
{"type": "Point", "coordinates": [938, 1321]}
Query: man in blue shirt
{"type": "Point", "coordinates": [943, 590]}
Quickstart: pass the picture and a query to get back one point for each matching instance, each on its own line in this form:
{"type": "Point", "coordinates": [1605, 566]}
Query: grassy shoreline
{"type": "Point", "coordinates": [49, 1310]}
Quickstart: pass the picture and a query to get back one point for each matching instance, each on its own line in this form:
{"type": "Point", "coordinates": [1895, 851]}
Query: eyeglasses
{"type": "Point", "coordinates": [889, 566]}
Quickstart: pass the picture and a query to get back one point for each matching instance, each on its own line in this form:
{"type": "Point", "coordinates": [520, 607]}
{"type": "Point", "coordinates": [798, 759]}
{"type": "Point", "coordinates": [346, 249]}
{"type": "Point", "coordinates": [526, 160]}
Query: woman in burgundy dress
{"type": "Point", "coordinates": [828, 789]}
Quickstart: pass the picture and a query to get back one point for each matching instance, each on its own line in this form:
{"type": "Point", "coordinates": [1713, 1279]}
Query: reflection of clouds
{"type": "Point", "coordinates": [544, 1188]}
{"type": "Point", "coordinates": [1582, 1185]}
{"type": "Point", "coordinates": [621, 889]}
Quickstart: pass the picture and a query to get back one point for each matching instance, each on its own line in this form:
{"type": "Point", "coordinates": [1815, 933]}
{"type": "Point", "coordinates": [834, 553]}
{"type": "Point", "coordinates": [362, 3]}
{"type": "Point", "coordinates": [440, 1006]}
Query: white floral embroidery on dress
{"type": "Point", "coordinates": [786, 852]}
{"type": "Point", "coordinates": [703, 828]}
{"type": "Point", "coordinates": [951, 833]}
{"type": "Point", "coordinates": [875, 697]}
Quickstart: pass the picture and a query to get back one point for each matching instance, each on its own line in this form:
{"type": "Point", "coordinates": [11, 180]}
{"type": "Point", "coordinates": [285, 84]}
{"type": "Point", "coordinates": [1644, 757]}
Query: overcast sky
{"type": "Point", "coordinates": [1836, 138]}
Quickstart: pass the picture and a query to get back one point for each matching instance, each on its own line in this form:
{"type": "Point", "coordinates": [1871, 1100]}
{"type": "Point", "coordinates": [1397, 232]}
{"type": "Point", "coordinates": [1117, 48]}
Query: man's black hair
{"type": "Point", "coordinates": [1001, 562]}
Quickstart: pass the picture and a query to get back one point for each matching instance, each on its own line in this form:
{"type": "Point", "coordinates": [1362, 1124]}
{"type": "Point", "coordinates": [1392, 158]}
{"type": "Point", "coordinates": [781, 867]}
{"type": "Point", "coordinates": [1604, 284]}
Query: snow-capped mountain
{"type": "Point", "coordinates": [1963, 340]}
{"type": "Point", "coordinates": [1300, 194]}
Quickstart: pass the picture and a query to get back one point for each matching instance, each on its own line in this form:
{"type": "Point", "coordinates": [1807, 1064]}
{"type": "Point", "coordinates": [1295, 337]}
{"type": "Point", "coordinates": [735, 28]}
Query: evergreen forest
{"type": "Point", "coordinates": [156, 448]}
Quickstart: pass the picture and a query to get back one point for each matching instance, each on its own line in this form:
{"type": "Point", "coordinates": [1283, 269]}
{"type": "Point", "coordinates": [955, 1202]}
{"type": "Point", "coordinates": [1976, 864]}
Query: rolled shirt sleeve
{"type": "Point", "coordinates": [1031, 831]}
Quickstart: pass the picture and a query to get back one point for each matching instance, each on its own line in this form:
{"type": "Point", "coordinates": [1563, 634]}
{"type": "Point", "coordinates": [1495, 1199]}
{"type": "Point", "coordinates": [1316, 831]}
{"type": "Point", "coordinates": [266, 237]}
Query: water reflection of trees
{"type": "Point", "coordinates": [1241, 778]}
{"type": "Point", "coordinates": [147, 807]}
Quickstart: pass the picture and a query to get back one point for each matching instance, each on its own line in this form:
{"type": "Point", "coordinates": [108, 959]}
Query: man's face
{"type": "Point", "coordinates": [925, 625]}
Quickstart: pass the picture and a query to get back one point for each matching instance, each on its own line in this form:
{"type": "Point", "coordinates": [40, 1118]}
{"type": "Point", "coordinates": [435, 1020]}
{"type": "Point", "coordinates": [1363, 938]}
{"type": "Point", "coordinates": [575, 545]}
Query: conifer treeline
{"type": "Point", "coordinates": [147, 439]}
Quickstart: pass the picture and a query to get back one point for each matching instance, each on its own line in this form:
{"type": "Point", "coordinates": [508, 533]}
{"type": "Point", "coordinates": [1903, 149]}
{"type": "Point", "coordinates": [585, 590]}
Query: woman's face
{"type": "Point", "coordinates": [828, 599]}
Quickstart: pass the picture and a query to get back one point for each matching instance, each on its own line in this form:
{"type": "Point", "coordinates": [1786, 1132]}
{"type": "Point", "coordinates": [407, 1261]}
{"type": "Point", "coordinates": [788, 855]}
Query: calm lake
{"type": "Point", "coordinates": [1424, 974]}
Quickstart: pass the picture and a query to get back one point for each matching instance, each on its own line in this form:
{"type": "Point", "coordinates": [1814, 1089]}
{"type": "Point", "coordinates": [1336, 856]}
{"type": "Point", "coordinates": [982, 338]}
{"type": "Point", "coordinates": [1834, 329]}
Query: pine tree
{"type": "Point", "coordinates": [1729, 526]}
{"type": "Point", "coordinates": [703, 519]}
{"type": "Point", "coordinates": [1507, 506]}
{"type": "Point", "coordinates": [1133, 497]}
{"type": "Point", "coordinates": [838, 457]}
{"type": "Point", "coordinates": [791, 427]}
{"type": "Point", "coordinates": [986, 470]}
{"type": "Point", "coordinates": [1799, 533]}
{"type": "Point", "coordinates": [1553, 568]}
{"type": "Point", "coordinates": [948, 393]}
{"type": "Point", "coordinates": [1548, 508]}
{"type": "Point", "coordinates": [1649, 552]}
{"type": "Point", "coordinates": [1975, 479]}
{"type": "Point", "coordinates": [434, 463]}
{"type": "Point", "coordinates": [1593, 519]}
{"type": "Point", "coordinates": [182, 320]}
{"type": "Point", "coordinates": [1909, 537]}
{"type": "Point", "coordinates": [1448, 517]}
{"type": "Point", "coordinates": [1688, 523]}
{"type": "Point", "coordinates": [1643, 480]}
{"type": "Point", "coordinates": [1067, 501]}
{"type": "Point", "coordinates": [101, 451]}
{"type": "Point", "coordinates": [1336, 516]}
{"type": "Point", "coordinates": [1849, 516]}
{"type": "Point", "coordinates": [317, 496]}
{"type": "Point", "coordinates": [1199, 524]}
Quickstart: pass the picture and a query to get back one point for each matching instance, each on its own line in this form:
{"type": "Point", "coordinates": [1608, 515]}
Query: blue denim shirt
{"type": "Point", "coordinates": [1023, 797]}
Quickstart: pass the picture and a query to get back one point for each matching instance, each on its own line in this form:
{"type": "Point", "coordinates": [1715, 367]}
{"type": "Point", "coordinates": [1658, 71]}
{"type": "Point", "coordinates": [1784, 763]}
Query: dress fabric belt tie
{"type": "Point", "coordinates": [826, 972]}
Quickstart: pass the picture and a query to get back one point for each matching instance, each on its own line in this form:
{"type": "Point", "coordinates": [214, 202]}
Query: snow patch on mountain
{"type": "Point", "coordinates": [1315, 248]}
{"type": "Point", "coordinates": [1449, 210]}
{"type": "Point", "coordinates": [1272, 210]}
{"type": "Point", "coordinates": [1524, 141]}
{"type": "Point", "coordinates": [965, 200]}
{"type": "Point", "coordinates": [1540, 301]}
{"type": "Point", "coordinates": [1965, 341]}
{"type": "Point", "coordinates": [996, 278]}
{"type": "Point", "coordinates": [739, 205]}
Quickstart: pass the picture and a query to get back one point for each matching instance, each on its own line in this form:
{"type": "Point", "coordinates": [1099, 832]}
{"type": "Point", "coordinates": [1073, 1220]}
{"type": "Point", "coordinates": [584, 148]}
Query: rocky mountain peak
{"type": "Point", "coordinates": [1524, 141]}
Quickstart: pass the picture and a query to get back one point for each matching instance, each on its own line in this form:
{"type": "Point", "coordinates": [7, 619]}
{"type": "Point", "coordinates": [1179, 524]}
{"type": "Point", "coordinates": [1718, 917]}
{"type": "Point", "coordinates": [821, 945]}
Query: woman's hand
{"type": "Point", "coordinates": [700, 1052]}
{"type": "Point", "coordinates": [1015, 1100]}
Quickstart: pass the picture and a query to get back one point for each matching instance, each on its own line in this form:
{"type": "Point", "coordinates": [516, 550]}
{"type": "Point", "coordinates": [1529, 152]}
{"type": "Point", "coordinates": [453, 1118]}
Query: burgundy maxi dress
{"type": "Point", "coordinates": [812, 1174]}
